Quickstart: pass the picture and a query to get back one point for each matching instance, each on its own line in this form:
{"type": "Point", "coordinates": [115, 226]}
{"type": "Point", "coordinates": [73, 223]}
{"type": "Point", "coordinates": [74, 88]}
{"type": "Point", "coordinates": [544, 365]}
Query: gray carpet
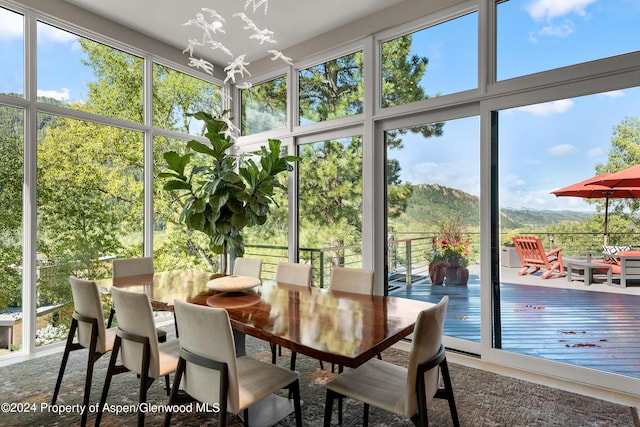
{"type": "Point", "coordinates": [482, 398]}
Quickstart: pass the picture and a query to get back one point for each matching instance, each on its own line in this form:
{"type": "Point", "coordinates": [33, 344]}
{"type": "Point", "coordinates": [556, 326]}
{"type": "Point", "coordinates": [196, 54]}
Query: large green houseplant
{"type": "Point", "coordinates": [220, 197]}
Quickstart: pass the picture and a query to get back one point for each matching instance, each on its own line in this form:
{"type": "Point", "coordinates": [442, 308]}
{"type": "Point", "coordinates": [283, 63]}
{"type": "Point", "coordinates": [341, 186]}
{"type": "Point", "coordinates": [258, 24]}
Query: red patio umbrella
{"type": "Point", "coordinates": [593, 189]}
{"type": "Point", "coordinates": [629, 177]}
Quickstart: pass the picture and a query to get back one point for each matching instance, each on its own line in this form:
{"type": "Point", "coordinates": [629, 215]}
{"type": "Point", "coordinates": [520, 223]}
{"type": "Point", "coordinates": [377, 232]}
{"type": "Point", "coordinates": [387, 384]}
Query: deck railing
{"type": "Point", "coordinates": [408, 253]}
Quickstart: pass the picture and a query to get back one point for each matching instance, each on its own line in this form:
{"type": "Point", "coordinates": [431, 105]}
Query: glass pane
{"type": "Point", "coordinates": [433, 211]}
{"type": "Point", "coordinates": [419, 65]}
{"type": "Point", "coordinates": [270, 241]}
{"type": "Point", "coordinates": [176, 95]}
{"type": "Point", "coordinates": [11, 176]}
{"type": "Point", "coordinates": [331, 90]}
{"type": "Point", "coordinates": [11, 53]}
{"type": "Point", "coordinates": [543, 148]}
{"type": "Point", "coordinates": [330, 194]}
{"type": "Point", "coordinates": [81, 74]}
{"type": "Point", "coordinates": [264, 106]}
{"type": "Point", "coordinates": [174, 246]}
{"type": "Point", "coordinates": [534, 36]}
{"type": "Point", "coordinates": [90, 209]}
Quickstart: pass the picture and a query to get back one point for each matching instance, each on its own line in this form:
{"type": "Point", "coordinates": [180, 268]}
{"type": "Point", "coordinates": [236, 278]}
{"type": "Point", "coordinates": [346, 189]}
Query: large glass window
{"type": "Point", "coordinates": [542, 148]}
{"type": "Point", "coordinates": [421, 65]}
{"type": "Point", "coordinates": [11, 176]}
{"type": "Point", "coordinates": [330, 212]}
{"type": "Point", "coordinates": [331, 90]}
{"type": "Point", "coordinates": [90, 210]}
{"type": "Point", "coordinates": [11, 53]}
{"type": "Point", "coordinates": [433, 218]}
{"type": "Point", "coordinates": [176, 95]}
{"type": "Point", "coordinates": [81, 74]}
{"type": "Point", "coordinates": [534, 36]}
{"type": "Point", "coordinates": [264, 106]}
{"type": "Point", "coordinates": [174, 245]}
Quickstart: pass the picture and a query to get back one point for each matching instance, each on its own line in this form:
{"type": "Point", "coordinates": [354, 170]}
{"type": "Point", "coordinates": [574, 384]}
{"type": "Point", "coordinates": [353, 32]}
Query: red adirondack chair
{"type": "Point", "coordinates": [533, 257]}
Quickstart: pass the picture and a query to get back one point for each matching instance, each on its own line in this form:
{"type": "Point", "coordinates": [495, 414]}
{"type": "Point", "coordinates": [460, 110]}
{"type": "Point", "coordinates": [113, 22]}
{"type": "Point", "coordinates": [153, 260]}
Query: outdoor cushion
{"type": "Point", "coordinates": [615, 268]}
{"type": "Point", "coordinates": [611, 251]}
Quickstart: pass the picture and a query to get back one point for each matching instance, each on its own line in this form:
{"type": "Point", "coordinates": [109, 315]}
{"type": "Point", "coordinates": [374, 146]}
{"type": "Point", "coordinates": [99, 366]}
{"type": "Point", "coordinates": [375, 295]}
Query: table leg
{"type": "Point", "coordinates": [239, 338]}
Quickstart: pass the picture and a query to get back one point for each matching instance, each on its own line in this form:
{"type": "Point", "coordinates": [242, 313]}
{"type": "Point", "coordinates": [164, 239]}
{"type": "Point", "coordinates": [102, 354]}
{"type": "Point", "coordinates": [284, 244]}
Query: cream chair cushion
{"type": "Point", "coordinates": [357, 280]}
{"type": "Point", "coordinates": [132, 266]}
{"type": "Point", "coordinates": [206, 332]}
{"type": "Point", "coordinates": [392, 387]}
{"type": "Point", "coordinates": [87, 302]}
{"type": "Point", "coordinates": [136, 317]}
{"type": "Point", "coordinates": [294, 273]}
{"type": "Point", "coordinates": [248, 267]}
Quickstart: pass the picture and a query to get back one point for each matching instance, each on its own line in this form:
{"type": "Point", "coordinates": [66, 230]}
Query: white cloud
{"type": "Point", "coordinates": [613, 94]}
{"type": "Point", "coordinates": [557, 30]}
{"type": "Point", "coordinates": [60, 95]}
{"type": "Point", "coordinates": [11, 25]}
{"type": "Point", "coordinates": [463, 175]}
{"type": "Point", "coordinates": [548, 108]}
{"type": "Point", "coordinates": [562, 150]}
{"type": "Point", "coordinates": [547, 10]}
{"type": "Point", "coordinates": [595, 152]}
{"type": "Point", "coordinates": [47, 33]}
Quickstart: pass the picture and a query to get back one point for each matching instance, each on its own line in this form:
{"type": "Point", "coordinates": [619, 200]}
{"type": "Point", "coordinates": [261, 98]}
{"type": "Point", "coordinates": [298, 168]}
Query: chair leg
{"type": "Point", "coordinates": [295, 389]}
{"type": "Point", "coordinates": [293, 361]}
{"type": "Point", "coordinates": [273, 354]}
{"type": "Point", "coordinates": [246, 416]}
{"type": "Point", "coordinates": [111, 313]}
{"type": "Point", "coordinates": [446, 378]}
{"type": "Point", "coordinates": [65, 358]}
{"type": "Point", "coordinates": [365, 415]}
{"type": "Point", "coordinates": [107, 380]}
{"type": "Point", "coordinates": [328, 408]}
{"type": "Point", "coordinates": [174, 390]}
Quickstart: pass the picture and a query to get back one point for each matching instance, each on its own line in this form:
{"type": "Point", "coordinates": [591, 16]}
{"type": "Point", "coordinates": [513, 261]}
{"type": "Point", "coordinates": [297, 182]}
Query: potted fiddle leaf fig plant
{"type": "Point", "coordinates": [220, 197]}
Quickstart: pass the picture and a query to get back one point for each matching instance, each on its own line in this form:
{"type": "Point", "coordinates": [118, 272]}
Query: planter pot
{"type": "Point", "coordinates": [456, 276]}
{"type": "Point", "coordinates": [437, 273]}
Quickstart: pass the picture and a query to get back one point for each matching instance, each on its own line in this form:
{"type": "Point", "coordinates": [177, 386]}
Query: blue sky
{"type": "Point", "coordinates": [543, 147]}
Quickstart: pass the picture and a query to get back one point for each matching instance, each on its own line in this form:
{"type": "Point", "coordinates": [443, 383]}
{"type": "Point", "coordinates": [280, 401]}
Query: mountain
{"type": "Point", "coordinates": [431, 203]}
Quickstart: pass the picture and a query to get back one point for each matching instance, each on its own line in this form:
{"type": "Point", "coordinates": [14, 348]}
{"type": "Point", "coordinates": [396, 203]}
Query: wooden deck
{"type": "Point", "coordinates": [595, 326]}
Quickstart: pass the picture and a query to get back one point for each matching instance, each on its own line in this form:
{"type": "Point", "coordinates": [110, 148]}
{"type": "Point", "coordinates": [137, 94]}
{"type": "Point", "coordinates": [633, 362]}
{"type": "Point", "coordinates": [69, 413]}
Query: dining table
{"type": "Point", "coordinates": [343, 328]}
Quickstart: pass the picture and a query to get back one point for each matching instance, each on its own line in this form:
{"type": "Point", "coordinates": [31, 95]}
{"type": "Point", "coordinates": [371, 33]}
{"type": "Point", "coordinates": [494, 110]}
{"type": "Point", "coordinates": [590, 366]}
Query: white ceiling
{"type": "Point", "coordinates": [292, 21]}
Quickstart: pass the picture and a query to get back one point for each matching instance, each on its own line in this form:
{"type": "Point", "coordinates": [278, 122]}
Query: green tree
{"type": "Point", "coordinates": [11, 154]}
{"type": "Point", "coordinates": [331, 172]}
{"type": "Point", "coordinates": [624, 153]}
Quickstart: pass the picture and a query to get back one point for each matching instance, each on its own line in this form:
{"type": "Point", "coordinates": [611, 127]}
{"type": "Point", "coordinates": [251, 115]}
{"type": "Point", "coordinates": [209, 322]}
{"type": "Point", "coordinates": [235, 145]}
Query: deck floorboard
{"type": "Point", "coordinates": [593, 329]}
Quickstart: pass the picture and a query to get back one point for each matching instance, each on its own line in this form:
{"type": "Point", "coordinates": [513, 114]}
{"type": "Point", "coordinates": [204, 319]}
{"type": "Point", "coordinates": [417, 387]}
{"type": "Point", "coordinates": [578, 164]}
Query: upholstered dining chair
{"type": "Point", "coordinates": [136, 347]}
{"type": "Point", "coordinates": [298, 274]}
{"type": "Point", "coordinates": [126, 267]}
{"type": "Point", "coordinates": [88, 322]}
{"type": "Point", "coordinates": [402, 391]}
{"type": "Point", "coordinates": [248, 267]}
{"type": "Point", "coordinates": [357, 280]}
{"type": "Point", "coordinates": [209, 371]}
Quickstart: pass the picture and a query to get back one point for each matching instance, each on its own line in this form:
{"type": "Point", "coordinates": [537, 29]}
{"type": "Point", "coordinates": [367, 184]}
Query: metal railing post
{"type": "Point", "coordinates": [409, 262]}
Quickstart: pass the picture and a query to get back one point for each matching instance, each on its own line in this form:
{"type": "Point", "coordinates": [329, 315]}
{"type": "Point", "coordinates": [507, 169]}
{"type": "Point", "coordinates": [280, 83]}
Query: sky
{"type": "Point", "coordinates": [542, 147]}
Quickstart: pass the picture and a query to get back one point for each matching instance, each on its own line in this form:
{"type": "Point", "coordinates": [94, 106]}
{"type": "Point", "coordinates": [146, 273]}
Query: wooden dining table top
{"type": "Point", "coordinates": [338, 327]}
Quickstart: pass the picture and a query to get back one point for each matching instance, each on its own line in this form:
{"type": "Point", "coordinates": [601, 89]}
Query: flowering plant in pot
{"type": "Point", "coordinates": [449, 257]}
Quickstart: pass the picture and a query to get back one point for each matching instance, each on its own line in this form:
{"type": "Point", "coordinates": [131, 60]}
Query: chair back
{"type": "Point", "coordinates": [427, 339]}
{"type": "Point", "coordinates": [294, 273]}
{"type": "Point", "coordinates": [357, 280]}
{"type": "Point", "coordinates": [248, 267]}
{"type": "Point", "coordinates": [87, 302]}
{"type": "Point", "coordinates": [206, 332]}
{"type": "Point", "coordinates": [132, 266]}
{"type": "Point", "coordinates": [136, 317]}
